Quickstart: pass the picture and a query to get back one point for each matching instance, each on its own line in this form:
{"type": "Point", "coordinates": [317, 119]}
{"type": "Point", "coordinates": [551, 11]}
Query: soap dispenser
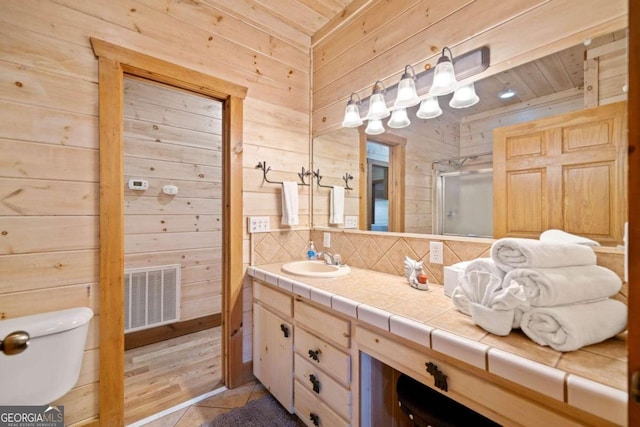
{"type": "Point", "coordinates": [311, 253]}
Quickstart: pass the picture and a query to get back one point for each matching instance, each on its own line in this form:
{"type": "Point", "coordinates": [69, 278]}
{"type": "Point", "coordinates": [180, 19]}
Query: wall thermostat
{"type": "Point", "coordinates": [138, 184]}
{"type": "Point", "coordinates": [170, 190]}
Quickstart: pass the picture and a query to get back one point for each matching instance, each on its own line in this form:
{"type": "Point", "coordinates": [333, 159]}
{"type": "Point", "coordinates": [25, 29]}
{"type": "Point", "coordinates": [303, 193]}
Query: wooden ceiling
{"type": "Point", "coordinates": [299, 22]}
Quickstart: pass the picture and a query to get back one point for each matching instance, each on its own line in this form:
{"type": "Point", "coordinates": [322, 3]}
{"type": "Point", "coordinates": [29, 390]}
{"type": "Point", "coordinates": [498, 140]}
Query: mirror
{"type": "Point", "coordinates": [459, 143]}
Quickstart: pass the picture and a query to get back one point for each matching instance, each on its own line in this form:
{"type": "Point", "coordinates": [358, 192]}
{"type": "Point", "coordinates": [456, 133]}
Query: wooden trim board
{"type": "Point", "coordinates": [165, 332]}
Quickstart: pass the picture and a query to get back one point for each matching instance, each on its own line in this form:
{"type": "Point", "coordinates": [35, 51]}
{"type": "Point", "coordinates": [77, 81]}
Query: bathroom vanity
{"type": "Point", "coordinates": [315, 340]}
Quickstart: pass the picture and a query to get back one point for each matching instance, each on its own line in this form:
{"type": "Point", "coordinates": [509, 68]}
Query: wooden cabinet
{"type": "Point", "coordinates": [566, 172]}
{"type": "Point", "coordinates": [273, 343]}
{"type": "Point", "coordinates": [316, 382]}
{"type": "Point", "coordinates": [322, 367]}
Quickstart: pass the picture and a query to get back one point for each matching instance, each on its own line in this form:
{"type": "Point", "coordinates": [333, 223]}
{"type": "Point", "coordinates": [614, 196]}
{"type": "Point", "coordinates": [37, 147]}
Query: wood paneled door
{"type": "Point", "coordinates": [566, 172]}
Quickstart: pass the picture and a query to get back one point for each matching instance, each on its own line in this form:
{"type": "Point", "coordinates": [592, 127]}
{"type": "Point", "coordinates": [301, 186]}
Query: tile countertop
{"type": "Point", "coordinates": [593, 378]}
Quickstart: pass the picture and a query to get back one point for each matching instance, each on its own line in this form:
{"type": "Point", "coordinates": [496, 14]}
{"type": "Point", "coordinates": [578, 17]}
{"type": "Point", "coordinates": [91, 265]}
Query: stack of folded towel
{"type": "Point", "coordinates": [552, 290]}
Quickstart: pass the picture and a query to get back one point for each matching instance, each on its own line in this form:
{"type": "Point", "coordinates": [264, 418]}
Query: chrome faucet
{"type": "Point", "coordinates": [331, 259]}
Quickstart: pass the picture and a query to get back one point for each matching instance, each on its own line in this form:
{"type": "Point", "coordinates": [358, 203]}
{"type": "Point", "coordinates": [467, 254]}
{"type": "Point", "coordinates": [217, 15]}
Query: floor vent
{"type": "Point", "coordinates": [151, 297]}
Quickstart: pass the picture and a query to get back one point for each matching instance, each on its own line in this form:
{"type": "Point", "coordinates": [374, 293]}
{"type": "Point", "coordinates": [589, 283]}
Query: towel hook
{"type": "Point", "coordinates": [346, 178]}
{"type": "Point", "coordinates": [265, 171]}
{"type": "Point", "coordinates": [304, 173]}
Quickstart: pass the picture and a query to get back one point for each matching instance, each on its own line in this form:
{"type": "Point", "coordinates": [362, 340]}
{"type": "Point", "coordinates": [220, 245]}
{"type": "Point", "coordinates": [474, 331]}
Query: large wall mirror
{"type": "Point", "coordinates": [447, 161]}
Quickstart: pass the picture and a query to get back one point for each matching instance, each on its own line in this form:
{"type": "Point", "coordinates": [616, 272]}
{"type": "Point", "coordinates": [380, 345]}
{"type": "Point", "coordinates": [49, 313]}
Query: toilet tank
{"type": "Point", "coordinates": [50, 365]}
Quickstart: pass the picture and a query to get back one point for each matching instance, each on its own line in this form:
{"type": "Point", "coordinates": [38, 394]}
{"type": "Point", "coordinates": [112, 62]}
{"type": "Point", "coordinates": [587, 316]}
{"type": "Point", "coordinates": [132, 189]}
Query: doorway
{"type": "Point", "coordinates": [114, 63]}
{"type": "Point", "coordinates": [173, 176]}
{"type": "Point", "coordinates": [382, 182]}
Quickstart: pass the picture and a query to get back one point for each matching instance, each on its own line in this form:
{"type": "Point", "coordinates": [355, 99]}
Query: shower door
{"type": "Point", "coordinates": [464, 203]}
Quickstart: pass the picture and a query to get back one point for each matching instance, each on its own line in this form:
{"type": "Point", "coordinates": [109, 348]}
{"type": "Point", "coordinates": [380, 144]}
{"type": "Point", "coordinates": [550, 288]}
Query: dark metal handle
{"type": "Point", "coordinates": [285, 330]}
{"type": "Point", "coordinates": [315, 382]}
{"type": "Point", "coordinates": [15, 343]}
{"type": "Point", "coordinates": [315, 355]}
{"type": "Point", "coordinates": [314, 419]}
{"type": "Point", "coordinates": [438, 375]}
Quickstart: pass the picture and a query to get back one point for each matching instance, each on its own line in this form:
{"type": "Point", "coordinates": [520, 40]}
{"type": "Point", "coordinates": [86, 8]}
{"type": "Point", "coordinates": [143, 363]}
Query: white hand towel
{"type": "Point", "coordinates": [511, 252]}
{"type": "Point", "coordinates": [289, 203]}
{"type": "Point", "coordinates": [554, 235]}
{"type": "Point", "coordinates": [491, 307]}
{"type": "Point", "coordinates": [484, 264]}
{"type": "Point", "coordinates": [565, 285]}
{"type": "Point", "coordinates": [336, 205]}
{"type": "Point", "coordinates": [570, 327]}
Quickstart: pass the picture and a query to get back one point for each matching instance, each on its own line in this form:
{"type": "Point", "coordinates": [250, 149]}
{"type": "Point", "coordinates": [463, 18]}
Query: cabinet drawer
{"type": "Point", "coordinates": [323, 324]}
{"type": "Point", "coordinates": [323, 386]}
{"type": "Point", "coordinates": [310, 408]}
{"type": "Point", "coordinates": [480, 394]}
{"type": "Point", "coordinates": [273, 298]}
{"type": "Point", "coordinates": [330, 359]}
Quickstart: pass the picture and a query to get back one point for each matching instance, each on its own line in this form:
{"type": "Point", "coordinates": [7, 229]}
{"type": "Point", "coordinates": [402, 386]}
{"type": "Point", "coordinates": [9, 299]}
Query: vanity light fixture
{"type": "Point", "coordinates": [506, 93]}
{"type": "Point", "coordinates": [464, 96]}
{"type": "Point", "coordinates": [352, 113]}
{"type": "Point", "coordinates": [429, 108]}
{"type": "Point", "coordinates": [399, 119]}
{"type": "Point", "coordinates": [444, 76]}
{"type": "Point", "coordinates": [407, 95]}
{"type": "Point", "coordinates": [441, 80]}
{"type": "Point", "coordinates": [377, 105]}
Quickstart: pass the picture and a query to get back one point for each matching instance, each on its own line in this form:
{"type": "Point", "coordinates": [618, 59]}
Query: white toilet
{"type": "Point", "coordinates": [50, 365]}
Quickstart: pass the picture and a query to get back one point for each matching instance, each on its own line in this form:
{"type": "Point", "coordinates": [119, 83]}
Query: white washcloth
{"type": "Point", "coordinates": [484, 264]}
{"type": "Point", "coordinates": [289, 203]}
{"type": "Point", "coordinates": [565, 285]}
{"type": "Point", "coordinates": [570, 327]}
{"type": "Point", "coordinates": [336, 205]}
{"type": "Point", "coordinates": [512, 252]}
{"type": "Point", "coordinates": [554, 235]}
{"type": "Point", "coordinates": [479, 295]}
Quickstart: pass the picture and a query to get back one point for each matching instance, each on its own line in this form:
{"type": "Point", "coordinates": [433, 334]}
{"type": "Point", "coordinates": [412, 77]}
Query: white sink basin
{"type": "Point", "coordinates": [315, 269]}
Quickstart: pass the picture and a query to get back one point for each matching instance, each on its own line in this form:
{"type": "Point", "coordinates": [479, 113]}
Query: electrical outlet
{"type": "Point", "coordinates": [435, 252]}
{"type": "Point", "coordinates": [258, 224]}
{"type": "Point", "coordinates": [326, 240]}
{"type": "Point", "coordinates": [350, 221]}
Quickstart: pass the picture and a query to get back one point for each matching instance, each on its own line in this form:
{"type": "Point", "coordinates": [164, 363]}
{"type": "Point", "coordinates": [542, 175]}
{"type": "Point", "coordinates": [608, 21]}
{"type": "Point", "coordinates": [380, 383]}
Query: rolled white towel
{"type": "Point", "coordinates": [512, 252]}
{"type": "Point", "coordinates": [554, 235]}
{"type": "Point", "coordinates": [570, 327]}
{"type": "Point", "coordinates": [484, 264]}
{"type": "Point", "coordinates": [565, 285]}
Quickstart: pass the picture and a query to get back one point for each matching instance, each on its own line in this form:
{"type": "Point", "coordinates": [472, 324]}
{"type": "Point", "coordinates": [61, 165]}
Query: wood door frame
{"type": "Point", "coordinates": [397, 151]}
{"type": "Point", "coordinates": [633, 109]}
{"type": "Point", "coordinates": [114, 63]}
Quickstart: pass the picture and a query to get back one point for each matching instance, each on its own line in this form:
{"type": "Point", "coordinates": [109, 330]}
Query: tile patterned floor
{"type": "Point", "coordinates": [208, 409]}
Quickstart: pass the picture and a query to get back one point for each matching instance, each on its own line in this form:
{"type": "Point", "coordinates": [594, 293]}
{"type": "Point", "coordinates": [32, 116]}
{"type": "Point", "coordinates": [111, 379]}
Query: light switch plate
{"type": "Point", "coordinates": [258, 224]}
{"type": "Point", "coordinates": [435, 252]}
{"type": "Point", "coordinates": [350, 221]}
{"type": "Point", "coordinates": [326, 240]}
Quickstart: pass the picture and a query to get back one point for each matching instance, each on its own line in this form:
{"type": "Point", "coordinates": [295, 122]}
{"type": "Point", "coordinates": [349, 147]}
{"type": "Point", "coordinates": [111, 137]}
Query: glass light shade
{"type": "Point", "coordinates": [374, 127]}
{"type": "Point", "coordinates": [377, 107]}
{"type": "Point", "coordinates": [506, 93]}
{"type": "Point", "coordinates": [429, 108]}
{"type": "Point", "coordinates": [407, 95]}
{"type": "Point", "coordinates": [399, 119]}
{"type": "Point", "coordinates": [464, 96]}
{"type": "Point", "coordinates": [444, 78]}
{"type": "Point", "coordinates": [351, 116]}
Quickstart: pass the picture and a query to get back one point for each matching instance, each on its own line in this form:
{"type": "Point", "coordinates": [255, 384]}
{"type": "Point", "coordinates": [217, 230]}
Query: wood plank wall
{"type": "Point", "coordinates": [387, 36]}
{"type": "Point", "coordinates": [172, 137]}
{"type": "Point", "coordinates": [49, 136]}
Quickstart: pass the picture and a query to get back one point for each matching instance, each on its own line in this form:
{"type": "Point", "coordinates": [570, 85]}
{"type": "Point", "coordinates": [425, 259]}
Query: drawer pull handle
{"type": "Point", "coordinates": [285, 330]}
{"type": "Point", "coordinates": [438, 375]}
{"type": "Point", "coordinates": [314, 419]}
{"type": "Point", "coordinates": [315, 355]}
{"type": "Point", "coordinates": [315, 382]}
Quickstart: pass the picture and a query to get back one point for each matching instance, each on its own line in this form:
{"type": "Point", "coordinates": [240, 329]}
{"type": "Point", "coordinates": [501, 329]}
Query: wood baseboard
{"type": "Point", "coordinates": [247, 372]}
{"type": "Point", "coordinates": [165, 332]}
